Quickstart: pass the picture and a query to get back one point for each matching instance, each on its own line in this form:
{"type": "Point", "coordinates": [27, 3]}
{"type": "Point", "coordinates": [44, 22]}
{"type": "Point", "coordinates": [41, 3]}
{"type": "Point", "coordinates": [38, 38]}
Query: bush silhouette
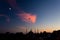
{"type": "Point", "coordinates": [55, 35]}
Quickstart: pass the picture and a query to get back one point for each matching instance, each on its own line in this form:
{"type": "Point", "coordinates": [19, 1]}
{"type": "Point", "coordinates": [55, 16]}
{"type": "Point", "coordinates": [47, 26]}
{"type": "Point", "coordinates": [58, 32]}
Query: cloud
{"type": "Point", "coordinates": [18, 29]}
{"type": "Point", "coordinates": [27, 17]}
{"type": "Point", "coordinates": [7, 18]}
{"type": "Point", "coordinates": [13, 4]}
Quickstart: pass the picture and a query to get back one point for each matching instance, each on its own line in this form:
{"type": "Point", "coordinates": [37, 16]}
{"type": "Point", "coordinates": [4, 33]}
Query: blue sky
{"type": "Point", "coordinates": [47, 11]}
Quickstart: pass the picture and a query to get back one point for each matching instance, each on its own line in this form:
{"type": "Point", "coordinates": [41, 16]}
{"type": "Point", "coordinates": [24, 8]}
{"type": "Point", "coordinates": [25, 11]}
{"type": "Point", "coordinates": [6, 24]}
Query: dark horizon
{"type": "Point", "coordinates": [55, 35]}
{"type": "Point", "coordinates": [19, 15]}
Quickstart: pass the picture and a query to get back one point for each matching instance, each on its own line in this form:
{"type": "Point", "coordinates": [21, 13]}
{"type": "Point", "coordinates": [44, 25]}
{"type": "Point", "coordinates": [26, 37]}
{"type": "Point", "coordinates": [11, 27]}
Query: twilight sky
{"type": "Point", "coordinates": [19, 15]}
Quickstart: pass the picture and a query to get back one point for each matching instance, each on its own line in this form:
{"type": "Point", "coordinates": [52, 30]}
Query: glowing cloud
{"type": "Point", "coordinates": [27, 17]}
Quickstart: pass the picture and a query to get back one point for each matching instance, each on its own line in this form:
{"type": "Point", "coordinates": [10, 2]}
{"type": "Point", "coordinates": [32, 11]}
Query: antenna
{"type": "Point", "coordinates": [37, 30]}
{"type": "Point", "coordinates": [26, 29]}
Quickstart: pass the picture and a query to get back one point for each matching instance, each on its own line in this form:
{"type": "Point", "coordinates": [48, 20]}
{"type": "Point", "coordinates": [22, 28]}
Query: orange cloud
{"type": "Point", "coordinates": [27, 17]}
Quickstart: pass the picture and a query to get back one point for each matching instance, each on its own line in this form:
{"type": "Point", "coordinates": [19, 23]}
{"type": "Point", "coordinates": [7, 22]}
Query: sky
{"type": "Point", "coordinates": [22, 15]}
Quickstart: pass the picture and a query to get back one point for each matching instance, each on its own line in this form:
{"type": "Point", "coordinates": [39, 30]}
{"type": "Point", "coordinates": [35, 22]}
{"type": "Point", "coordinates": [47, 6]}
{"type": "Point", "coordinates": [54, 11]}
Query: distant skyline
{"type": "Point", "coordinates": [17, 15]}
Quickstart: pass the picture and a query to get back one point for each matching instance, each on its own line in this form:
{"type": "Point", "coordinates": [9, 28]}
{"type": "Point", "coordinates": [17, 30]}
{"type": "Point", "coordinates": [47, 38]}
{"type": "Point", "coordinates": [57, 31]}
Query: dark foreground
{"type": "Point", "coordinates": [31, 36]}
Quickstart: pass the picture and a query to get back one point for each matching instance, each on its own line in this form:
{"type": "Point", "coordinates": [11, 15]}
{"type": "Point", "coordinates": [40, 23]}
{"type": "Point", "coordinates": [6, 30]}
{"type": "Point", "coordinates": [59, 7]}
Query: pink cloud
{"type": "Point", "coordinates": [27, 17]}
